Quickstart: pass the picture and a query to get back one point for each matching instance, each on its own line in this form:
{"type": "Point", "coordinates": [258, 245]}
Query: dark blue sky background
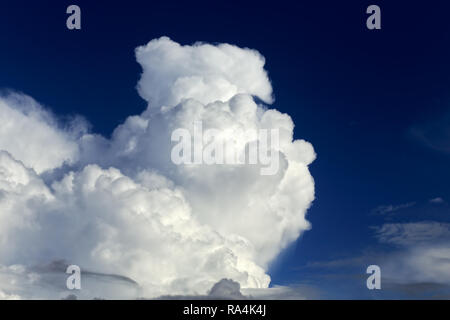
{"type": "Point", "coordinates": [357, 95]}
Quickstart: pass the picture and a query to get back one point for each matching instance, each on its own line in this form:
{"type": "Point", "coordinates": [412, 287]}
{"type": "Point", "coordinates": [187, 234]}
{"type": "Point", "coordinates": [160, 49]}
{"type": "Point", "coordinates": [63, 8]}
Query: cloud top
{"type": "Point", "coordinates": [205, 72]}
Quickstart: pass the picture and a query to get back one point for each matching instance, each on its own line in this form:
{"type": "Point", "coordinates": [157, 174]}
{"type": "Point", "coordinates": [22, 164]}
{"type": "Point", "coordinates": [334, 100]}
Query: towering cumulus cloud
{"type": "Point", "coordinates": [121, 209]}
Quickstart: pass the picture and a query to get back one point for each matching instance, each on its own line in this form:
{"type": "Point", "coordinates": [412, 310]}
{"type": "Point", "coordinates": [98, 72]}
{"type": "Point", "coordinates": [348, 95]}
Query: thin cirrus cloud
{"type": "Point", "coordinates": [434, 134]}
{"type": "Point", "coordinates": [413, 233]}
{"type": "Point", "coordinates": [119, 206]}
{"type": "Point", "coordinates": [414, 262]}
{"type": "Point", "coordinates": [437, 200]}
{"type": "Point", "coordinates": [388, 209]}
{"type": "Point", "coordinates": [423, 255]}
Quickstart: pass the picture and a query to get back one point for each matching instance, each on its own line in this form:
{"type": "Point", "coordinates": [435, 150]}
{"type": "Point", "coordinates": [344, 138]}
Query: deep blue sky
{"type": "Point", "coordinates": [355, 94]}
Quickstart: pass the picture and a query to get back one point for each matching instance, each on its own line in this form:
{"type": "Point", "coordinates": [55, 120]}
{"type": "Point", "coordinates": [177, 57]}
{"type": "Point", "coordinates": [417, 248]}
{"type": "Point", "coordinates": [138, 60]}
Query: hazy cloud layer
{"type": "Point", "coordinates": [425, 251]}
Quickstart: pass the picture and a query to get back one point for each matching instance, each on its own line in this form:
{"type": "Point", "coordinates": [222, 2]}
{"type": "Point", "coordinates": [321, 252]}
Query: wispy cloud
{"type": "Point", "coordinates": [414, 262]}
{"type": "Point", "coordinates": [434, 134]}
{"type": "Point", "coordinates": [407, 234]}
{"type": "Point", "coordinates": [437, 200]}
{"type": "Point", "coordinates": [386, 209]}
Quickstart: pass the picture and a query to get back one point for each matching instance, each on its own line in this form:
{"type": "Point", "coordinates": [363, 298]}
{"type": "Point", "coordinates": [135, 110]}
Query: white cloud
{"type": "Point", "coordinates": [103, 220]}
{"type": "Point", "coordinates": [124, 208]}
{"type": "Point", "coordinates": [224, 289]}
{"type": "Point", "coordinates": [294, 292]}
{"type": "Point", "coordinates": [4, 296]}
